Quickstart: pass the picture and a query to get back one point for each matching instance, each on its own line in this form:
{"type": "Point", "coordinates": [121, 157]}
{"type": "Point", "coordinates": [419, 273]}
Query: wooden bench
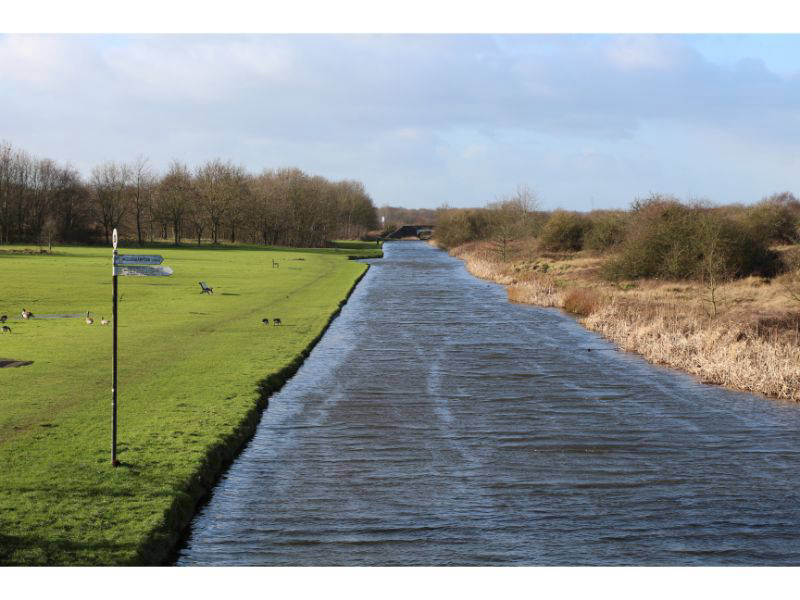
{"type": "Point", "coordinates": [205, 288]}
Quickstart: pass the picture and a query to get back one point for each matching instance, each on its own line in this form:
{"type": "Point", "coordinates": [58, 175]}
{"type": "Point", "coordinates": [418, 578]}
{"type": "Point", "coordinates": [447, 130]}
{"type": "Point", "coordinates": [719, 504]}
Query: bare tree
{"type": "Point", "coordinates": [108, 183]}
{"type": "Point", "coordinates": [196, 216]}
{"type": "Point", "coordinates": [236, 199]}
{"type": "Point", "coordinates": [50, 229]}
{"type": "Point", "coordinates": [174, 196]}
{"type": "Point", "coordinates": [142, 183]}
{"type": "Point", "coordinates": [713, 268]}
{"type": "Point", "coordinates": [71, 208]}
{"type": "Point", "coordinates": [511, 219]}
{"type": "Point", "coordinates": [210, 182]}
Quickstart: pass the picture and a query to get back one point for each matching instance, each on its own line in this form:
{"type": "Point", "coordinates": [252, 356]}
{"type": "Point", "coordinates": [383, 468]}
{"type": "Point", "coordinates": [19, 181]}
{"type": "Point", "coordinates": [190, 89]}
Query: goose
{"type": "Point", "coordinates": [6, 328]}
{"type": "Point", "coordinates": [89, 320]}
{"type": "Point", "coordinates": [26, 314]}
{"type": "Point", "coordinates": [3, 318]}
{"type": "Point", "coordinates": [104, 321]}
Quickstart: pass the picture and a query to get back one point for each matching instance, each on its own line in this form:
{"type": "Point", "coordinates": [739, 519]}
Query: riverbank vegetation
{"type": "Point", "coordinates": [43, 202]}
{"type": "Point", "coordinates": [712, 290]}
{"type": "Point", "coordinates": [194, 371]}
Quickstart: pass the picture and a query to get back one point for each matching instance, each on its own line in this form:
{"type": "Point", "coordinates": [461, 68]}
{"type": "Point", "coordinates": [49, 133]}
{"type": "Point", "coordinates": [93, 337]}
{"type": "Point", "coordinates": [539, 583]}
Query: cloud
{"type": "Point", "coordinates": [637, 53]}
{"type": "Point", "coordinates": [413, 116]}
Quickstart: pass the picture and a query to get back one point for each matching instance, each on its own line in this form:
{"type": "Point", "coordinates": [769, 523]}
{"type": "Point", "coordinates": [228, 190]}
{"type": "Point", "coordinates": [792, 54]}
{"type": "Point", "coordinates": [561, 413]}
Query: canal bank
{"type": "Point", "coordinates": [660, 321]}
{"type": "Point", "coordinates": [482, 432]}
{"type": "Point", "coordinates": [190, 368]}
{"type": "Point", "coordinates": [162, 544]}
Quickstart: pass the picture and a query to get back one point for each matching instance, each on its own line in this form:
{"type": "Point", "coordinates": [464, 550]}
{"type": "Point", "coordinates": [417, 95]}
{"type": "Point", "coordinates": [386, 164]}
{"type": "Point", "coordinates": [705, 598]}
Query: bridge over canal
{"type": "Point", "coordinates": [422, 232]}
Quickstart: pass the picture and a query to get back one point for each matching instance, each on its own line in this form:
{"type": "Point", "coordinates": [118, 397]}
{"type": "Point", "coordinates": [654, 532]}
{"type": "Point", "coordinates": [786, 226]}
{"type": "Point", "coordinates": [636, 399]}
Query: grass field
{"type": "Point", "coordinates": [194, 369]}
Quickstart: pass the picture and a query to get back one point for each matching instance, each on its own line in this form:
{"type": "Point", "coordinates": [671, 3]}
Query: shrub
{"type": "Point", "coordinates": [564, 231]}
{"type": "Point", "coordinates": [775, 219]}
{"type": "Point", "coordinates": [582, 301]}
{"type": "Point", "coordinates": [670, 240]}
{"type": "Point", "coordinates": [607, 231]}
{"type": "Point", "coordinates": [457, 226]}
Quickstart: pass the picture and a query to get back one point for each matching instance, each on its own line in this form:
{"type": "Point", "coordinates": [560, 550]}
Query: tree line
{"type": "Point", "coordinates": [396, 216]}
{"type": "Point", "coordinates": [41, 201]}
{"type": "Point", "coordinates": [658, 237]}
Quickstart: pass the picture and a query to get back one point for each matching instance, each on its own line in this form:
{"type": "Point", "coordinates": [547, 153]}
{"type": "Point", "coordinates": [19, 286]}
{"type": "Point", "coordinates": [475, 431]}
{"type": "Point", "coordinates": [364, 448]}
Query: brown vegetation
{"type": "Point", "coordinates": [582, 301]}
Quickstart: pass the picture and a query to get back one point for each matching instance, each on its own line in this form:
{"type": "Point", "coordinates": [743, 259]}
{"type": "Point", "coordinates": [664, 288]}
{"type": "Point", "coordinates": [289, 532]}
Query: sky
{"type": "Point", "coordinates": [585, 121]}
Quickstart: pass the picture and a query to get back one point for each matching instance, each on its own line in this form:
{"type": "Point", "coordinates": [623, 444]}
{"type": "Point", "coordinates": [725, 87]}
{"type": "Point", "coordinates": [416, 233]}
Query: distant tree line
{"type": "Point", "coordinates": [396, 216]}
{"type": "Point", "coordinates": [43, 201]}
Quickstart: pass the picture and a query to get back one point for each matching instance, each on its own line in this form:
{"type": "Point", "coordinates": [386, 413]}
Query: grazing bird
{"type": "Point", "coordinates": [26, 314]}
{"type": "Point", "coordinates": [104, 321]}
{"type": "Point", "coordinates": [89, 320]}
{"type": "Point", "coordinates": [6, 329]}
{"type": "Point", "coordinates": [3, 318]}
{"type": "Point", "coordinates": [276, 321]}
{"type": "Point", "coordinates": [265, 321]}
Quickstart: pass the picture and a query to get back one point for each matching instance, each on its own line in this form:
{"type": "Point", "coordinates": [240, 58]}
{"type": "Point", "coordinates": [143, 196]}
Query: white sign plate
{"type": "Point", "coordinates": [138, 259]}
{"type": "Point", "coordinates": [143, 271]}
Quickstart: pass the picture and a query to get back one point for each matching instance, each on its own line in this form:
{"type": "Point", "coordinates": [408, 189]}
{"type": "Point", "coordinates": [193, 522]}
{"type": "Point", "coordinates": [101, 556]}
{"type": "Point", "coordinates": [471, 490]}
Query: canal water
{"type": "Point", "coordinates": [438, 424]}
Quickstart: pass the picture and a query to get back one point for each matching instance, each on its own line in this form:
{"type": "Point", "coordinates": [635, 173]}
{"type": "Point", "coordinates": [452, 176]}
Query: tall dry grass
{"type": "Point", "coordinates": [583, 302]}
{"type": "Point", "coordinates": [754, 346]}
{"type": "Point", "coordinates": [717, 352]}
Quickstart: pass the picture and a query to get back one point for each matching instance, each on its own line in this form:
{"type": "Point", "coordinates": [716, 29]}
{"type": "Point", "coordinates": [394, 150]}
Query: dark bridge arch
{"type": "Point", "coordinates": [423, 232]}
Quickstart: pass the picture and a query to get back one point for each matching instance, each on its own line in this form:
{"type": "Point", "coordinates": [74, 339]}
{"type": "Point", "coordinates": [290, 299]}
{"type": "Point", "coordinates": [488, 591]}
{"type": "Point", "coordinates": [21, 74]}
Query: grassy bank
{"type": "Point", "coordinates": [195, 370]}
{"type": "Point", "coordinates": [751, 344]}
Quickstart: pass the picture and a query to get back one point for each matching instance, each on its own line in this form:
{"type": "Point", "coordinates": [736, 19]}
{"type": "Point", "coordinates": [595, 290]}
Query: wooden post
{"type": "Point", "coordinates": [114, 461]}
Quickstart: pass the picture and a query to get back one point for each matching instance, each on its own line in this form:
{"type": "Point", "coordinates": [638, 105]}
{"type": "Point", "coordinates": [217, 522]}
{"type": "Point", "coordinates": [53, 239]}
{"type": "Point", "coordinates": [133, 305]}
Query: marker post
{"type": "Point", "coordinates": [114, 461]}
{"type": "Point", "coordinates": [143, 265]}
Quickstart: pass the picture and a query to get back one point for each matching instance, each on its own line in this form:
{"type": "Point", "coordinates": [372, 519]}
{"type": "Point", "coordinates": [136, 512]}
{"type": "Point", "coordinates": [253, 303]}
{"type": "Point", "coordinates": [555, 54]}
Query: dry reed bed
{"type": "Point", "coordinates": [677, 334]}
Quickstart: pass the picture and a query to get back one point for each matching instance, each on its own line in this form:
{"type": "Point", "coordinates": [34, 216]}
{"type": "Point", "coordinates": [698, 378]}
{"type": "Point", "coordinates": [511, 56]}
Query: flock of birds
{"type": "Point", "coordinates": [90, 320]}
{"type": "Point", "coordinates": [26, 314]}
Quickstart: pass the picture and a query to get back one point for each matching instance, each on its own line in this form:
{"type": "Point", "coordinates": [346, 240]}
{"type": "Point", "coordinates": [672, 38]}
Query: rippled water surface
{"type": "Point", "coordinates": [438, 424]}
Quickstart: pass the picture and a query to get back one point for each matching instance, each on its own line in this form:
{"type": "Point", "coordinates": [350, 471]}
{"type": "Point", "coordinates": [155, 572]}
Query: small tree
{"type": "Point", "coordinates": [510, 220]}
{"type": "Point", "coordinates": [714, 268]}
{"type": "Point", "coordinates": [50, 230]}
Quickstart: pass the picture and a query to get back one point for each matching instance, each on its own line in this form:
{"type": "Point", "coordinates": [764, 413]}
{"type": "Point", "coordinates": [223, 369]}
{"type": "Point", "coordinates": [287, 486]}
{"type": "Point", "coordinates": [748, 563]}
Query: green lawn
{"type": "Point", "coordinates": [194, 369]}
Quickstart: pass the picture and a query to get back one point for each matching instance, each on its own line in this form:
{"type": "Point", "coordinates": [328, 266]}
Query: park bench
{"type": "Point", "coordinates": [205, 288]}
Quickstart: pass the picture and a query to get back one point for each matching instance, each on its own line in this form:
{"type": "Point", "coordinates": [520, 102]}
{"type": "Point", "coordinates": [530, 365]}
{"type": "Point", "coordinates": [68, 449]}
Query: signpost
{"type": "Point", "coordinates": [142, 265]}
{"type": "Point", "coordinates": [143, 271]}
{"type": "Point", "coordinates": [138, 259]}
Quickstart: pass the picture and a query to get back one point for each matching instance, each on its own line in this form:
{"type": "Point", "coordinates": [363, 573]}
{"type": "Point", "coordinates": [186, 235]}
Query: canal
{"type": "Point", "coordinates": [438, 424]}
